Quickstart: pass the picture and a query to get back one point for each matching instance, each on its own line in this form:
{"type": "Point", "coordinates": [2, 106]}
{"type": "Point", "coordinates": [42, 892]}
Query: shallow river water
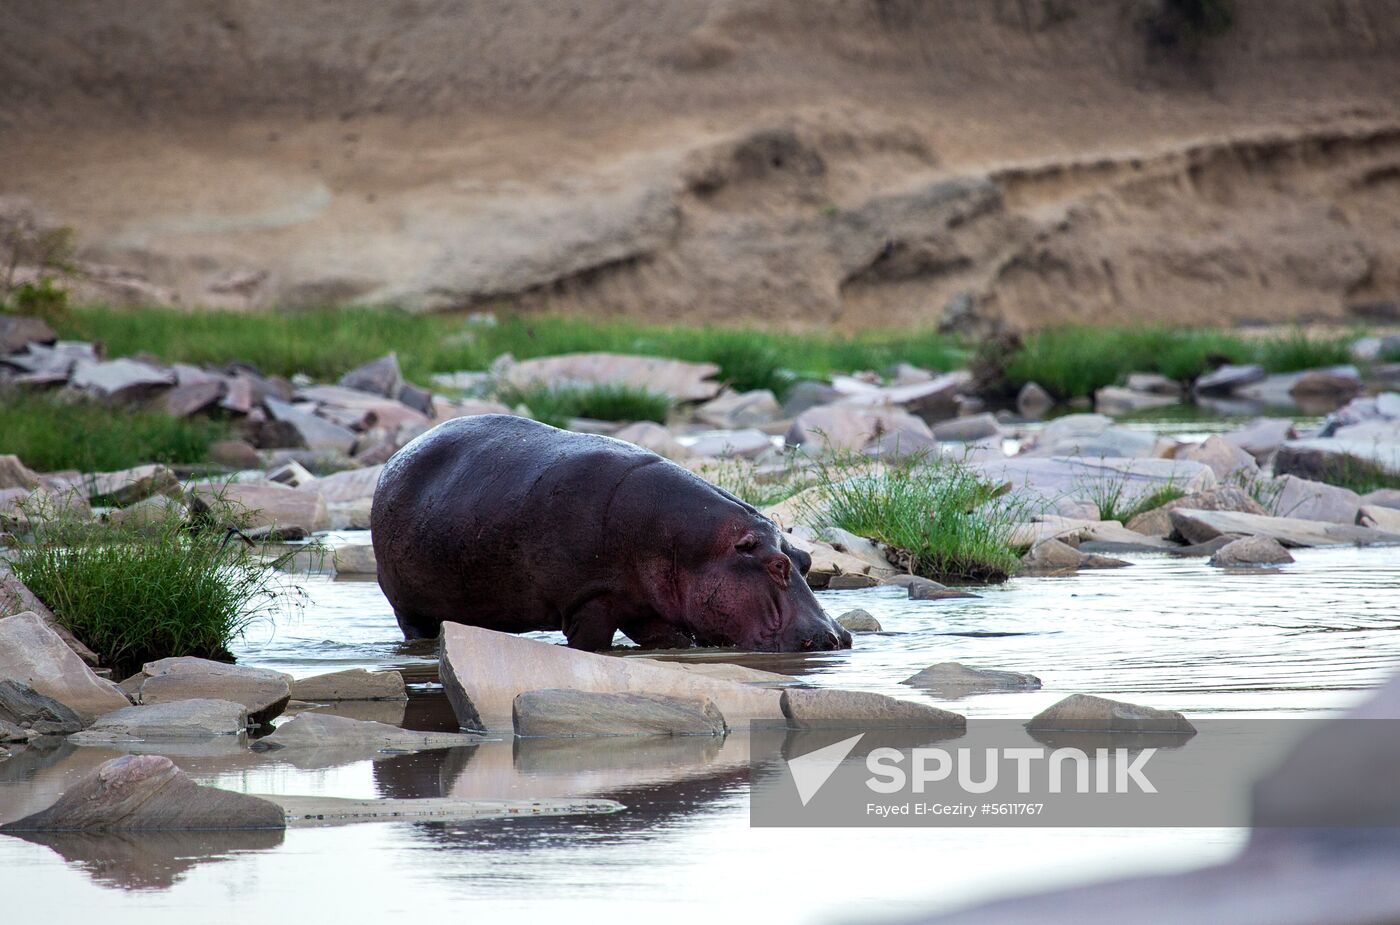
{"type": "Point", "coordinates": [1165, 632]}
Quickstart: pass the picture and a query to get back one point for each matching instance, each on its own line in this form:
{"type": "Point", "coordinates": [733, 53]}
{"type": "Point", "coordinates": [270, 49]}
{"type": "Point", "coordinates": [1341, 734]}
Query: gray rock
{"type": "Point", "coordinates": [656, 438]}
{"type": "Point", "coordinates": [851, 581]}
{"type": "Point", "coordinates": [953, 679]}
{"type": "Point", "coordinates": [562, 712]}
{"type": "Point", "coordinates": [859, 621]}
{"type": "Point", "coordinates": [180, 719]}
{"type": "Point", "coordinates": [1251, 550]}
{"type": "Point", "coordinates": [15, 474]}
{"type": "Point", "coordinates": [733, 410]}
{"type": "Point", "coordinates": [1383, 497]}
{"type": "Point", "coordinates": [264, 693]}
{"type": "Point", "coordinates": [19, 331]}
{"type": "Point", "coordinates": [123, 380]}
{"type": "Point", "coordinates": [858, 546]}
{"type": "Point", "coordinates": [1157, 522]}
{"type": "Point", "coordinates": [825, 706]}
{"type": "Point", "coordinates": [905, 580]}
{"type": "Point", "coordinates": [350, 485]}
{"type": "Point", "coordinates": [1308, 500]}
{"type": "Point", "coordinates": [236, 454]}
{"type": "Point", "coordinates": [723, 671]}
{"type": "Point", "coordinates": [129, 485]}
{"type": "Point", "coordinates": [967, 429]}
{"type": "Point", "coordinates": [1379, 517]}
{"type": "Point", "coordinates": [354, 559]}
{"type": "Point", "coordinates": [927, 592]}
{"type": "Point", "coordinates": [271, 507]}
{"type": "Point", "coordinates": [748, 444]}
{"type": "Point", "coordinates": [32, 654]}
{"type": "Point", "coordinates": [351, 684]}
{"type": "Point", "coordinates": [1115, 401]}
{"type": "Point", "coordinates": [1204, 526]}
{"type": "Point", "coordinates": [1325, 384]}
{"type": "Point", "coordinates": [21, 704]}
{"type": "Point", "coordinates": [314, 433]}
{"type": "Point", "coordinates": [1224, 458]}
{"type": "Point", "coordinates": [327, 731]}
{"type": "Point", "coordinates": [1056, 557]}
{"type": "Point", "coordinates": [381, 377]}
{"type": "Point", "coordinates": [1033, 401]}
{"type": "Point", "coordinates": [16, 598]}
{"type": "Point", "coordinates": [292, 474]}
{"type": "Point", "coordinates": [835, 428]}
{"type": "Point", "coordinates": [1262, 436]}
{"type": "Point", "coordinates": [147, 793]}
{"type": "Point", "coordinates": [1051, 482]}
{"type": "Point", "coordinates": [1154, 383]}
{"type": "Point", "coordinates": [808, 394]}
{"type": "Point", "coordinates": [1086, 713]}
{"type": "Point", "coordinates": [1325, 459]}
{"type": "Point", "coordinates": [1090, 436]}
{"type": "Point", "coordinates": [185, 400]}
{"type": "Point", "coordinates": [1227, 378]}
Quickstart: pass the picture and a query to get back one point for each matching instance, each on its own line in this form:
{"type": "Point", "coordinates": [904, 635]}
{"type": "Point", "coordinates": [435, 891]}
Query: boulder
{"type": "Point", "coordinates": [312, 432]}
{"type": "Point", "coordinates": [1383, 497]}
{"type": "Point", "coordinates": [359, 411]}
{"type": "Point", "coordinates": [351, 684]}
{"type": "Point", "coordinates": [681, 380]}
{"type": "Point", "coordinates": [559, 712]}
{"type": "Point", "coordinates": [121, 380]}
{"type": "Point", "coordinates": [1086, 713]}
{"type": "Point", "coordinates": [1326, 459]}
{"type": "Point", "coordinates": [723, 671]}
{"type": "Point", "coordinates": [1223, 457]}
{"type": "Point", "coordinates": [32, 654]}
{"type": "Point", "coordinates": [859, 621]}
{"type": "Point", "coordinates": [19, 331]}
{"type": "Point", "coordinates": [905, 580]}
{"type": "Point", "coordinates": [292, 474]}
{"type": "Point", "coordinates": [1324, 384]}
{"type": "Point", "coordinates": [834, 428]}
{"type": "Point", "coordinates": [1261, 437]}
{"type": "Point", "coordinates": [185, 400]}
{"type": "Point", "coordinates": [349, 485]}
{"type": "Point", "coordinates": [808, 394]}
{"type": "Point", "coordinates": [953, 679]}
{"type": "Point", "coordinates": [16, 598]}
{"type": "Point", "coordinates": [381, 377]}
{"type": "Point", "coordinates": [1228, 378]}
{"type": "Point", "coordinates": [927, 592]}
{"type": "Point", "coordinates": [1251, 550]}
{"type": "Point", "coordinates": [15, 474]}
{"type": "Point", "coordinates": [1154, 384]}
{"type": "Point", "coordinates": [326, 730]}
{"type": "Point", "coordinates": [195, 718]}
{"type": "Point", "coordinates": [129, 485]}
{"type": "Point", "coordinates": [748, 444]}
{"type": "Point", "coordinates": [656, 438]}
{"type": "Point", "coordinates": [858, 546]}
{"type": "Point", "coordinates": [828, 564]}
{"type": "Point", "coordinates": [235, 454]}
{"type": "Point", "coordinates": [1203, 526]}
{"type": "Point", "coordinates": [933, 400]}
{"type": "Point", "coordinates": [271, 507]}
{"type": "Point", "coordinates": [826, 706]}
{"type": "Point", "coordinates": [967, 429]}
{"type": "Point", "coordinates": [148, 793]}
{"type": "Point", "coordinates": [1033, 401]}
{"type": "Point", "coordinates": [1379, 517]}
{"type": "Point", "coordinates": [1308, 500]}
{"type": "Point", "coordinates": [1115, 401]}
{"type": "Point", "coordinates": [263, 692]}
{"type": "Point", "coordinates": [354, 559]}
{"type": "Point", "coordinates": [1055, 557]}
{"type": "Point", "coordinates": [349, 515]}
{"type": "Point", "coordinates": [851, 581]}
{"type": "Point", "coordinates": [1043, 482]}
{"type": "Point", "coordinates": [1090, 436]}
{"type": "Point", "coordinates": [483, 671]}
{"type": "Point", "coordinates": [20, 704]}
{"type": "Point", "coordinates": [734, 410]}
{"type": "Point", "coordinates": [1157, 522]}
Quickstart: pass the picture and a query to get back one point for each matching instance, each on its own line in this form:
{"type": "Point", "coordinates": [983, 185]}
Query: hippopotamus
{"type": "Point", "coordinates": [509, 524]}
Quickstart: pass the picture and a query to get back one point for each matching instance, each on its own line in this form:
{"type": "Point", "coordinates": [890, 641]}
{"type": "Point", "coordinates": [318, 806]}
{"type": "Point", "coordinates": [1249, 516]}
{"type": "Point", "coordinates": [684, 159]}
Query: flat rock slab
{"type": "Point", "coordinates": [128, 486]}
{"type": "Point", "coordinates": [355, 559]}
{"type": "Point", "coordinates": [1251, 551]}
{"type": "Point", "coordinates": [181, 719]}
{"type": "Point", "coordinates": [325, 730]}
{"type": "Point", "coordinates": [310, 811]}
{"type": "Point", "coordinates": [723, 671]}
{"type": "Point", "coordinates": [588, 713]}
{"type": "Point", "coordinates": [316, 433]}
{"type": "Point", "coordinates": [263, 692]}
{"type": "Point", "coordinates": [954, 679]}
{"type": "Point", "coordinates": [483, 671]}
{"type": "Point", "coordinates": [1086, 713]}
{"type": "Point", "coordinates": [1203, 526]}
{"type": "Point", "coordinates": [148, 793]}
{"type": "Point", "coordinates": [1157, 522]}
{"type": "Point", "coordinates": [352, 684]}
{"type": "Point", "coordinates": [32, 654]}
{"type": "Point", "coordinates": [825, 706]}
{"type": "Point", "coordinates": [1050, 480]}
{"type": "Point", "coordinates": [272, 506]}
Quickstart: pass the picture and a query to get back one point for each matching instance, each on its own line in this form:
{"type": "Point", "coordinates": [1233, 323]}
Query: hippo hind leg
{"type": "Point", "coordinates": [417, 627]}
{"type": "Point", "coordinates": [656, 633]}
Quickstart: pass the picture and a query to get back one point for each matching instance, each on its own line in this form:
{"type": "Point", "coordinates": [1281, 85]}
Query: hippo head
{"type": "Point", "coordinates": [752, 593]}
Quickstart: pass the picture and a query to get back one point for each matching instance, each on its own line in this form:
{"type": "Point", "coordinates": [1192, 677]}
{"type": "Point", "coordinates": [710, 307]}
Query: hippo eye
{"type": "Point", "coordinates": [781, 569]}
{"type": "Point", "coordinates": [747, 543]}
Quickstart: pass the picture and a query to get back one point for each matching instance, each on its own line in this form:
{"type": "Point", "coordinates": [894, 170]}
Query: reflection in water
{"type": "Point", "coordinates": [150, 860]}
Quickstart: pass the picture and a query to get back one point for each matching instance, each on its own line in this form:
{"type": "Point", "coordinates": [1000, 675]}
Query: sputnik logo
{"type": "Point", "coordinates": [812, 770]}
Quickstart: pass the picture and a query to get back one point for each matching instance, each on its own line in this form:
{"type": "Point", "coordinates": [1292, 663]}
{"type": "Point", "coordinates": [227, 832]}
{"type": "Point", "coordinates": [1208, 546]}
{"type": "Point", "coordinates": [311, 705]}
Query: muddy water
{"type": "Point", "coordinates": [1165, 632]}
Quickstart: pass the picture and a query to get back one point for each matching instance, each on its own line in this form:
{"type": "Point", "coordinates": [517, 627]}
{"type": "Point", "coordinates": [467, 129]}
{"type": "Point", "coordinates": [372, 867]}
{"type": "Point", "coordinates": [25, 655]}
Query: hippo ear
{"type": "Point", "coordinates": [747, 543]}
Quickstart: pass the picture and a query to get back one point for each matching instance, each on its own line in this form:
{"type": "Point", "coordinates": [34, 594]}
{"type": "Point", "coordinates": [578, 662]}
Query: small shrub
{"type": "Point", "coordinates": [49, 435]}
{"type": "Point", "coordinates": [149, 587]}
{"type": "Point", "coordinates": [942, 520]}
{"type": "Point", "coordinates": [555, 405]}
{"type": "Point", "coordinates": [43, 299]}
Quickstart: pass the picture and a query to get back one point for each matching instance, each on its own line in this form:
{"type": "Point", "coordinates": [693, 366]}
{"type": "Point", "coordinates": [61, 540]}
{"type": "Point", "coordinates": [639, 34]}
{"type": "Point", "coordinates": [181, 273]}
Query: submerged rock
{"type": "Point", "coordinates": [1251, 550]}
{"type": "Point", "coordinates": [825, 706]}
{"type": "Point", "coordinates": [326, 730]}
{"type": "Point", "coordinates": [851, 581]}
{"type": "Point", "coordinates": [953, 679]}
{"type": "Point", "coordinates": [351, 684]}
{"type": "Point", "coordinates": [1204, 526]}
{"type": "Point", "coordinates": [859, 621]}
{"type": "Point", "coordinates": [263, 692]}
{"type": "Point", "coordinates": [147, 793]}
{"type": "Point", "coordinates": [32, 654]}
{"type": "Point", "coordinates": [180, 719]}
{"type": "Point", "coordinates": [586, 713]}
{"type": "Point", "coordinates": [1033, 401]}
{"type": "Point", "coordinates": [1055, 557]}
{"type": "Point", "coordinates": [1086, 713]}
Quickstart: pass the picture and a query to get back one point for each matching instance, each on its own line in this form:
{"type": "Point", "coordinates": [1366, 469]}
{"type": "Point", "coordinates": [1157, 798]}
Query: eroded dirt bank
{"type": "Point", "coordinates": [847, 163]}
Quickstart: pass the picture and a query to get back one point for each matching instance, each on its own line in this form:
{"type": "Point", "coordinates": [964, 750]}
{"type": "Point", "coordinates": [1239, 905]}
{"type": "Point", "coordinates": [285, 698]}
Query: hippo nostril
{"type": "Point", "coordinates": [807, 644]}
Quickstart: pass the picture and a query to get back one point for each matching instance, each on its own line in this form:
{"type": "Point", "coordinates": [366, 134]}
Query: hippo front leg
{"type": "Point", "coordinates": [590, 626]}
{"type": "Point", "coordinates": [656, 633]}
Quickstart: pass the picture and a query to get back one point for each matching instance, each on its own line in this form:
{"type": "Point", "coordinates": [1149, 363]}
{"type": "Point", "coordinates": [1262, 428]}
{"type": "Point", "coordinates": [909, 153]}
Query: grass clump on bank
{"type": "Point", "coordinates": [1076, 360]}
{"type": "Point", "coordinates": [940, 519]}
{"type": "Point", "coordinates": [1108, 495]}
{"type": "Point", "coordinates": [555, 405]}
{"type": "Point", "coordinates": [49, 435]}
{"type": "Point", "coordinates": [149, 587]}
{"type": "Point", "coordinates": [324, 343]}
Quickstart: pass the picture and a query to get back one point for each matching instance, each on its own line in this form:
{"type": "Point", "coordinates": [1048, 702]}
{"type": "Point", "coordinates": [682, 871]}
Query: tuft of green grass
{"type": "Point", "coordinates": [324, 343]}
{"type": "Point", "coordinates": [1297, 351]}
{"type": "Point", "coordinates": [48, 434]}
{"type": "Point", "coordinates": [943, 520]}
{"type": "Point", "coordinates": [742, 479]}
{"type": "Point", "coordinates": [149, 587]}
{"type": "Point", "coordinates": [555, 405]}
{"type": "Point", "coordinates": [1108, 494]}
